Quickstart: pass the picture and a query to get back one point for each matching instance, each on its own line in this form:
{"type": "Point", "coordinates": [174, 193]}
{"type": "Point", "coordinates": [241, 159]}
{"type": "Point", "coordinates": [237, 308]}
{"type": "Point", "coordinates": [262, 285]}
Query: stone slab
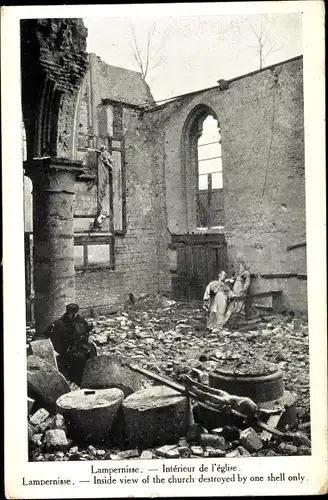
{"type": "Point", "coordinates": [44, 382]}
{"type": "Point", "coordinates": [45, 350]}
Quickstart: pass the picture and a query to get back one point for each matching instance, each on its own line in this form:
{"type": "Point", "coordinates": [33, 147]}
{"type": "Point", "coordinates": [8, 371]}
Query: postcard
{"type": "Point", "coordinates": [164, 250]}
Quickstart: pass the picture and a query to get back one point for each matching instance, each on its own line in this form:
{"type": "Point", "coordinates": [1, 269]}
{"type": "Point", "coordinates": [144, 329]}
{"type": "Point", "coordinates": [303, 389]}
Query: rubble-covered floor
{"type": "Point", "coordinates": [170, 338]}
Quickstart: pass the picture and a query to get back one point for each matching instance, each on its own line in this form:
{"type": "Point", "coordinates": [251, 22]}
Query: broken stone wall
{"type": "Point", "coordinates": [140, 249]}
{"type": "Point", "coordinates": [262, 134]}
{"type": "Point", "coordinates": [261, 121]}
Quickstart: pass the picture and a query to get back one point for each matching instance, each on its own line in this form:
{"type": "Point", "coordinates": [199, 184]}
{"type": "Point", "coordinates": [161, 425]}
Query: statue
{"type": "Point", "coordinates": [105, 164]}
{"type": "Point", "coordinates": [240, 289]}
{"type": "Point", "coordinates": [216, 298]}
{"type": "Point", "coordinates": [224, 303]}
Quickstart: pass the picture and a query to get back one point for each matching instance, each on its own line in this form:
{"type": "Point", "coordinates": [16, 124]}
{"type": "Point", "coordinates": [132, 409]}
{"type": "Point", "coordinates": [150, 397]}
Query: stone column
{"type": "Point", "coordinates": [53, 236]}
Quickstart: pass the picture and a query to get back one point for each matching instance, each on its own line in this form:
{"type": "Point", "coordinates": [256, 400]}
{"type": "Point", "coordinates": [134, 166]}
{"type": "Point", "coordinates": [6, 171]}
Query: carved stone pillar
{"type": "Point", "coordinates": [54, 63]}
{"type": "Point", "coordinates": [53, 230]}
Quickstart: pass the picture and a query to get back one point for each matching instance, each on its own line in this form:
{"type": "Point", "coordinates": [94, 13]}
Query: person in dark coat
{"type": "Point", "coordinates": [70, 338]}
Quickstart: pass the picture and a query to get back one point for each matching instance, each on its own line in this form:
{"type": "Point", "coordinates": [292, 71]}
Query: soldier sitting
{"type": "Point", "coordinates": [70, 337]}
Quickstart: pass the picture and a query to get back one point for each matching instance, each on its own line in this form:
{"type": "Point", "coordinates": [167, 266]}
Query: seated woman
{"type": "Point", "coordinates": [216, 299]}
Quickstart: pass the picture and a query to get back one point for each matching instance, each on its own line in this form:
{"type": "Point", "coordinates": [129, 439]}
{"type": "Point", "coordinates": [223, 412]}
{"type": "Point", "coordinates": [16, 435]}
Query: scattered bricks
{"type": "Point", "coordinates": [45, 382]}
{"type": "Point", "coordinates": [262, 453]}
{"type": "Point", "coordinates": [39, 417]}
{"type": "Point", "coordinates": [243, 452]}
{"type": "Point", "coordinates": [289, 417]}
{"type": "Point", "coordinates": [304, 450]}
{"type": "Point", "coordinates": [91, 450]}
{"type": "Point", "coordinates": [31, 431]}
{"type": "Point", "coordinates": [90, 413]}
{"type": "Point", "coordinates": [37, 439]}
{"type": "Point", "coordinates": [59, 422]}
{"type": "Point", "coordinates": [124, 455]}
{"type": "Point", "coordinates": [212, 440]}
{"type": "Point", "coordinates": [101, 339]}
{"type": "Point", "coordinates": [164, 451]}
{"type": "Point", "coordinates": [45, 350]}
{"type": "Point", "coordinates": [217, 431]}
{"type": "Point", "coordinates": [30, 404]}
{"type": "Point", "coordinates": [200, 376]}
{"type": "Point", "coordinates": [250, 440]}
{"type": "Point", "coordinates": [228, 432]}
{"type": "Point", "coordinates": [173, 453]}
{"type": "Point", "coordinates": [183, 442]}
{"type": "Point", "coordinates": [100, 453]}
{"type": "Point", "coordinates": [228, 446]}
{"type": "Point", "coordinates": [55, 440]}
{"type": "Point", "coordinates": [196, 450]}
{"type": "Point", "coordinates": [47, 424]}
{"type": "Point", "coordinates": [297, 325]}
{"type": "Point", "coordinates": [300, 439]}
{"type": "Point", "coordinates": [233, 454]}
{"type": "Point", "coordinates": [214, 452]}
{"type": "Point", "coordinates": [155, 416]}
{"type": "Point", "coordinates": [184, 451]}
{"type": "Point", "coordinates": [146, 455]}
{"type": "Point", "coordinates": [305, 426]}
{"type": "Point", "coordinates": [104, 372]}
{"type": "Point", "coordinates": [287, 449]}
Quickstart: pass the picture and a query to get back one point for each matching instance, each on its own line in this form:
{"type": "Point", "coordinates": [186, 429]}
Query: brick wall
{"type": "Point", "coordinates": [140, 257]}
{"type": "Point", "coordinates": [262, 129]}
{"type": "Point", "coordinates": [262, 136]}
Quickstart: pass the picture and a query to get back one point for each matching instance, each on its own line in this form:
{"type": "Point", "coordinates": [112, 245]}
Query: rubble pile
{"type": "Point", "coordinates": [171, 339]}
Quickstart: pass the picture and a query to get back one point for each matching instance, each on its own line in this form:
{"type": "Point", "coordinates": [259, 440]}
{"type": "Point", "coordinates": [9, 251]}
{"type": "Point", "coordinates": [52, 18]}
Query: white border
{"type": "Point", "coordinates": [16, 465]}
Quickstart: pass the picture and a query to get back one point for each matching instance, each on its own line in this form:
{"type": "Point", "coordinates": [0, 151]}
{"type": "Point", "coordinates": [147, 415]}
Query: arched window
{"type": "Point", "coordinates": [210, 182]}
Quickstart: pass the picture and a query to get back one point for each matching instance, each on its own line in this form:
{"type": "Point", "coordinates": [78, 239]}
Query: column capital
{"type": "Point", "coordinates": [50, 163]}
{"type": "Point", "coordinates": [53, 174]}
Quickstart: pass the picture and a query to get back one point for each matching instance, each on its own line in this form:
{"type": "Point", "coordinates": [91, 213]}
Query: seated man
{"type": "Point", "coordinates": [70, 337]}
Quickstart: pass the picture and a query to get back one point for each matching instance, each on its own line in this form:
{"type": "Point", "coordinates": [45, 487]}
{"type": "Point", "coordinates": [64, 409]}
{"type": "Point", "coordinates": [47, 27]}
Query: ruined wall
{"type": "Point", "coordinates": [262, 137]}
{"type": "Point", "coordinates": [138, 253]}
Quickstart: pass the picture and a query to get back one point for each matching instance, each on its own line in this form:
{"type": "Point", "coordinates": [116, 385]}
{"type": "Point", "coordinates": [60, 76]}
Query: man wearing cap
{"type": "Point", "coordinates": [70, 337]}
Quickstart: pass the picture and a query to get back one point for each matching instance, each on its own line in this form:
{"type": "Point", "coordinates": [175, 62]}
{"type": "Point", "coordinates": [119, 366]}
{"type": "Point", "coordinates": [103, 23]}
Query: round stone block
{"type": "Point", "coordinates": [262, 386]}
{"type": "Point", "coordinates": [154, 416]}
{"type": "Point", "coordinates": [45, 384]}
{"type": "Point", "coordinates": [90, 413]}
{"type": "Point", "coordinates": [104, 372]}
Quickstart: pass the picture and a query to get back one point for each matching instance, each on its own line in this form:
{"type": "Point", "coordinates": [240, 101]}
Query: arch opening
{"type": "Point", "coordinates": [204, 171]}
{"type": "Point", "coordinates": [210, 181]}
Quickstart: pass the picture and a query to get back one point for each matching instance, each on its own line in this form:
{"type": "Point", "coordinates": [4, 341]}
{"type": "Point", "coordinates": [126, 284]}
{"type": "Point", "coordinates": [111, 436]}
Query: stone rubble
{"type": "Point", "coordinates": [250, 440]}
{"type": "Point", "coordinates": [55, 440]}
{"type": "Point", "coordinates": [170, 339]}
